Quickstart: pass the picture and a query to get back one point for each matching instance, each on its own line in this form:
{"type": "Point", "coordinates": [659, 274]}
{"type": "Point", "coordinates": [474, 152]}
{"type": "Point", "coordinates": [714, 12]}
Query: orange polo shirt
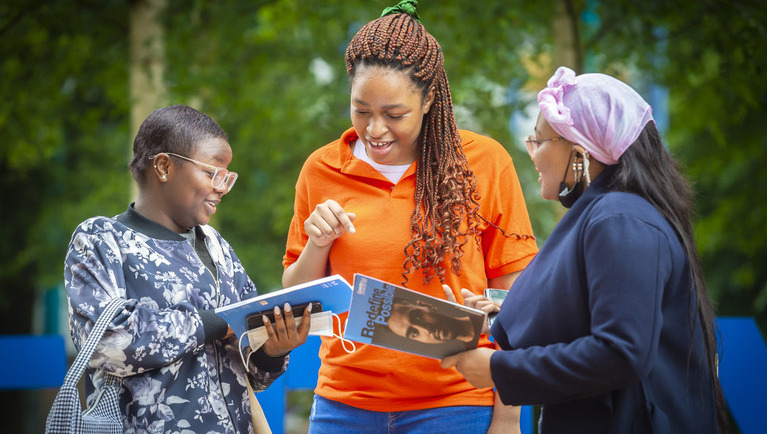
{"type": "Point", "coordinates": [380, 379]}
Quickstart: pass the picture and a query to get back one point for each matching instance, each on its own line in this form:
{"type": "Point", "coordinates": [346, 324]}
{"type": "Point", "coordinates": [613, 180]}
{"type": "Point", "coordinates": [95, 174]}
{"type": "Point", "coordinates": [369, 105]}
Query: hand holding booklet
{"type": "Point", "coordinates": [398, 318]}
{"type": "Point", "coordinates": [330, 293]}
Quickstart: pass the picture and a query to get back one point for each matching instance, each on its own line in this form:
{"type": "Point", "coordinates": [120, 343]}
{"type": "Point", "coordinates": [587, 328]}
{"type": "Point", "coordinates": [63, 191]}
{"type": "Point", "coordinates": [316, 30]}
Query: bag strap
{"type": "Point", "coordinates": [258, 418]}
{"type": "Point", "coordinates": [86, 352]}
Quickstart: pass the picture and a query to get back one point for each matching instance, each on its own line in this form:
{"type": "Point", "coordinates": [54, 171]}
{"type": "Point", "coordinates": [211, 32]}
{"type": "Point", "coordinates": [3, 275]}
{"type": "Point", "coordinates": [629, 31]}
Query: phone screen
{"type": "Point", "coordinates": [496, 296]}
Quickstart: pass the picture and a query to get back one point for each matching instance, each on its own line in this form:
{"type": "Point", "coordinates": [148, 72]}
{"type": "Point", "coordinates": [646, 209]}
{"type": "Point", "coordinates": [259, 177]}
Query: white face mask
{"type": "Point", "coordinates": [322, 325]}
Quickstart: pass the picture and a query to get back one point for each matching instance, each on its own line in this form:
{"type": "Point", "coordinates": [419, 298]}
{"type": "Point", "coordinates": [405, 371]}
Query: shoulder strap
{"type": "Point", "coordinates": [86, 352]}
{"type": "Point", "coordinates": [257, 416]}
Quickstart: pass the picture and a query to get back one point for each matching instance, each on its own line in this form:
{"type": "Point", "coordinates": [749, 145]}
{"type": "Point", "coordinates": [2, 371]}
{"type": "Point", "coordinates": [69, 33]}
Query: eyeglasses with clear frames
{"type": "Point", "coordinates": [533, 144]}
{"type": "Point", "coordinates": [220, 179]}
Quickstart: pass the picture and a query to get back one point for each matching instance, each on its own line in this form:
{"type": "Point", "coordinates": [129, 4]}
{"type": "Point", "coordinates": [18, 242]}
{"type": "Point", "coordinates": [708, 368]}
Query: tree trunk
{"type": "Point", "coordinates": [567, 42]}
{"type": "Point", "coordinates": [147, 57]}
{"type": "Point", "coordinates": [567, 48]}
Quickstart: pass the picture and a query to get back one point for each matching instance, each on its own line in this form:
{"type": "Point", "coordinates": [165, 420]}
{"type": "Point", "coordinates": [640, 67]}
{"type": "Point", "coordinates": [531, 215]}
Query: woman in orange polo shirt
{"type": "Point", "coordinates": [405, 197]}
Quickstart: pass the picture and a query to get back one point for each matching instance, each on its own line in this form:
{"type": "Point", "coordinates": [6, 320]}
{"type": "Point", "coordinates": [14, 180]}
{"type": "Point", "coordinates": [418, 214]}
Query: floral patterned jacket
{"type": "Point", "coordinates": [173, 381]}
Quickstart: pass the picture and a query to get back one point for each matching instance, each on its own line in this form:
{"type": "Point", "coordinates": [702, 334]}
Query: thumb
{"type": "Point", "coordinates": [449, 362]}
{"type": "Point", "coordinates": [466, 293]}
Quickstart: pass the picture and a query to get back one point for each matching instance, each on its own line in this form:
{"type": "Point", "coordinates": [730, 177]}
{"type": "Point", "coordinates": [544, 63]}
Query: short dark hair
{"type": "Point", "coordinates": [177, 128]}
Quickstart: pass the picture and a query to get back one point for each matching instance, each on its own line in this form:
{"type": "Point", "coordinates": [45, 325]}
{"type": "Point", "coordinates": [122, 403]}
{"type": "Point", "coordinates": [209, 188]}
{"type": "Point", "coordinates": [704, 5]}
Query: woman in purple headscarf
{"type": "Point", "coordinates": [610, 328]}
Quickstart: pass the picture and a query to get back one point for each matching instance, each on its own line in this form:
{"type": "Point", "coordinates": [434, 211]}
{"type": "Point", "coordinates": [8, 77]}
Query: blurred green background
{"type": "Point", "coordinates": [77, 77]}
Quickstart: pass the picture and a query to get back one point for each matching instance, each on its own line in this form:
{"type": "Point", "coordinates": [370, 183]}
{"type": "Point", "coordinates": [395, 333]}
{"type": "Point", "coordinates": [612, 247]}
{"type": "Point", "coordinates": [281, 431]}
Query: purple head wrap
{"type": "Point", "coordinates": [596, 111]}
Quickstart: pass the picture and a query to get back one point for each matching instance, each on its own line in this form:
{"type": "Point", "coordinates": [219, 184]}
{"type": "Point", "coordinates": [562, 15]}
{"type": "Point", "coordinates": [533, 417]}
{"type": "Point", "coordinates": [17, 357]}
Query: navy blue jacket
{"type": "Point", "coordinates": [596, 328]}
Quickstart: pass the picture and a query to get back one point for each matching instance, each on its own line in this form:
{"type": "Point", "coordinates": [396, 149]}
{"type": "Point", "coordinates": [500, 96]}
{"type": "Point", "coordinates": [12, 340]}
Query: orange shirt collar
{"type": "Point", "coordinates": [343, 158]}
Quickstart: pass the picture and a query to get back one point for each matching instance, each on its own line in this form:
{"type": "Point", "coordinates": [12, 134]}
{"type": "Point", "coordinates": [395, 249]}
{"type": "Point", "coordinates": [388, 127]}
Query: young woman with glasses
{"type": "Point", "coordinates": [178, 362]}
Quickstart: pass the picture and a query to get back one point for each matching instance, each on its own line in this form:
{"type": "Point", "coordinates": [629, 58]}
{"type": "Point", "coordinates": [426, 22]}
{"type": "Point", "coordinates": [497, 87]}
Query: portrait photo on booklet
{"type": "Point", "coordinates": [391, 316]}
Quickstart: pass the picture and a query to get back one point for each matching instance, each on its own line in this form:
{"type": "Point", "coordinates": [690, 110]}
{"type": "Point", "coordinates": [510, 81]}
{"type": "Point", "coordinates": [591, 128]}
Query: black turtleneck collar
{"type": "Point", "coordinates": [139, 223]}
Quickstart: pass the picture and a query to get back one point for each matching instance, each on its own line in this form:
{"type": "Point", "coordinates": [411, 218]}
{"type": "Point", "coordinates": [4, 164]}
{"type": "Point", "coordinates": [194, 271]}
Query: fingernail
{"type": "Point", "coordinates": [266, 320]}
{"type": "Point", "coordinates": [352, 229]}
{"type": "Point", "coordinates": [276, 310]}
{"type": "Point", "coordinates": [309, 308]}
{"type": "Point", "coordinates": [286, 307]}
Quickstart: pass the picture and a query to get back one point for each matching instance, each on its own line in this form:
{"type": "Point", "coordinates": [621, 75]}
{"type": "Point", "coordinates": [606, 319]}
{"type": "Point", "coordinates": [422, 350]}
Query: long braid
{"type": "Point", "coordinates": [446, 214]}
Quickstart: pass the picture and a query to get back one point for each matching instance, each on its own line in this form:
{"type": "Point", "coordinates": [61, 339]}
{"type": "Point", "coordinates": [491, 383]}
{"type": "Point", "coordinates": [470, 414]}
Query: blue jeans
{"type": "Point", "coordinates": [332, 417]}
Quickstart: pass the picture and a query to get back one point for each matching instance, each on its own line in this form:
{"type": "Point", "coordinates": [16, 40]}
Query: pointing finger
{"type": "Point", "coordinates": [346, 219]}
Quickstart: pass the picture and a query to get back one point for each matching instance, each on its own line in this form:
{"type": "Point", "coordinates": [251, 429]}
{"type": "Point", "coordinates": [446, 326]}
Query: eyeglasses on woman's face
{"type": "Point", "coordinates": [220, 178]}
{"type": "Point", "coordinates": [533, 144]}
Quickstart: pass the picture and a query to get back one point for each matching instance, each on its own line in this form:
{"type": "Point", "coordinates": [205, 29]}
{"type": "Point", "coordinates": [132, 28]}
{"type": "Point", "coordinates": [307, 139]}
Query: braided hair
{"type": "Point", "coordinates": [446, 214]}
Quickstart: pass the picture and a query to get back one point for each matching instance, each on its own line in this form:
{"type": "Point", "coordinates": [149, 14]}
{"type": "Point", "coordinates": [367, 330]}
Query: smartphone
{"type": "Point", "coordinates": [496, 296]}
{"type": "Point", "coordinates": [255, 320]}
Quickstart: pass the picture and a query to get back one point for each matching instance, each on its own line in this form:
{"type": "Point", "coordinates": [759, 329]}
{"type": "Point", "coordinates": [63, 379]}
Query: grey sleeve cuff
{"type": "Point", "coordinates": [268, 363]}
{"type": "Point", "coordinates": [213, 325]}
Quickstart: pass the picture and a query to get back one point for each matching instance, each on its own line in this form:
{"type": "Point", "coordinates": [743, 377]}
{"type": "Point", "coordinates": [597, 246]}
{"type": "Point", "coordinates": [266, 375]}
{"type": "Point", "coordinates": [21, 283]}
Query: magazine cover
{"type": "Point", "coordinates": [401, 319]}
{"type": "Point", "coordinates": [332, 292]}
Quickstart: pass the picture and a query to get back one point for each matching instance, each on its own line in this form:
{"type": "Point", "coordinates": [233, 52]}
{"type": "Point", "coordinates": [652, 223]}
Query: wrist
{"type": "Point", "coordinates": [268, 363]}
{"type": "Point", "coordinates": [312, 244]}
{"type": "Point", "coordinates": [275, 356]}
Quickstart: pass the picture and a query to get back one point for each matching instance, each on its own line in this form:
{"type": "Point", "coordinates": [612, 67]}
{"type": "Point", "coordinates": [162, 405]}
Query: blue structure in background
{"type": "Point", "coordinates": [742, 372]}
{"type": "Point", "coordinates": [273, 399]}
{"type": "Point", "coordinates": [302, 375]}
{"type": "Point", "coordinates": [32, 362]}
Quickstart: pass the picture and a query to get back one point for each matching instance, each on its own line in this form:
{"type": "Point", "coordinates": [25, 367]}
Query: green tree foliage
{"type": "Point", "coordinates": [272, 73]}
{"type": "Point", "coordinates": [64, 150]}
{"type": "Point", "coordinates": [711, 57]}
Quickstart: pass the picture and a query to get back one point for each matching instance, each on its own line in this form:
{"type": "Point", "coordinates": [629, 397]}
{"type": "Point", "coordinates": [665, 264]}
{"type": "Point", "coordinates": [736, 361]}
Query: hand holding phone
{"type": "Point", "coordinates": [283, 331]}
{"type": "Point", "coordinates": [255, 320]}
{"type": "Point", "coordinates": [496, 296]}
